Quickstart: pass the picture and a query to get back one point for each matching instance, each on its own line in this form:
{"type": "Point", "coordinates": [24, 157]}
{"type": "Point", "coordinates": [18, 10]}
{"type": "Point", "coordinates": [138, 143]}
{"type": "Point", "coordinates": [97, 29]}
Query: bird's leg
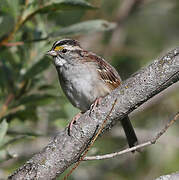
{"type": "Point", "coordinates": [77, 116]}
{"type": "Point", "coordinates": [73, 121]}
{"type": "Point", "coordinates": [95, 104]}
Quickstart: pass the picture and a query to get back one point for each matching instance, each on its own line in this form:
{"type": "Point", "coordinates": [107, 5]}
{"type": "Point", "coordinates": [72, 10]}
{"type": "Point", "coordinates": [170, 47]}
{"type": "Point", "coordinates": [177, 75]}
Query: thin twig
{"type": "Point", "coordinates": [153, 141]}
{"type": "Point", "coordinates": [148, 143]}
{"type": "Point", "coordinates": [21, 43]}
{"type": "Point", "coordinates": [18, 25]}
{"type": "Point", "coordinates": [4, 108]}
{"type": "Point", "coordinates": [92, 142]}
{"type": "Point", "coordinates": [20, 22]}
{"type": "Point", "coordinates": [12, 44]}
{"type": "Point", "coordinates": [126, 9]}
{"type": "Point", "coordinates": [10, 36]}
{"type": "Point", "coordinates": [10, 98]}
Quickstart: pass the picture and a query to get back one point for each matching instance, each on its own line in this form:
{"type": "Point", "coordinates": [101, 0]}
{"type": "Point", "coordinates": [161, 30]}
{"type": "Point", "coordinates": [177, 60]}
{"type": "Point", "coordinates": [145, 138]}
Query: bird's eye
{"type": "Point", "coordinates": [64, 50]}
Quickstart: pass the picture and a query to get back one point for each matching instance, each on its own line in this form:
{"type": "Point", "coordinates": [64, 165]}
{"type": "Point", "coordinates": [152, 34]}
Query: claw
{"type": "Point", "coordinates": [95, 104]}
{"type": "Point", "coordinates": [73, 121]}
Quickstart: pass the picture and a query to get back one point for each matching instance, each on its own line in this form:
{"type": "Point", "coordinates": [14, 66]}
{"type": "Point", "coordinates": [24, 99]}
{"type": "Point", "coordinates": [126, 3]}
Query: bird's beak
{"type": "Point", "coordinates": [51, 53]}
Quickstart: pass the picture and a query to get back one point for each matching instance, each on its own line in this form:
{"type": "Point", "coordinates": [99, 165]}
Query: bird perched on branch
{"type": "Point", "coordinates": [85, 78]}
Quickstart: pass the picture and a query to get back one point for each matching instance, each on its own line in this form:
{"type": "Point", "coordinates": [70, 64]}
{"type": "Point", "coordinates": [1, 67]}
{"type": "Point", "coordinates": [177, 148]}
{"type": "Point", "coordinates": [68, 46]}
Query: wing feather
{"type": "Point", "coordinates": [107, 73]}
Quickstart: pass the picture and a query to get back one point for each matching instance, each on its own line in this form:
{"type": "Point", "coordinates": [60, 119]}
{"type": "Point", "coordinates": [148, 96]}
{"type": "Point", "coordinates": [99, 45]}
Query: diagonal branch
{"type": "Point", "coordinates": [65, 150]}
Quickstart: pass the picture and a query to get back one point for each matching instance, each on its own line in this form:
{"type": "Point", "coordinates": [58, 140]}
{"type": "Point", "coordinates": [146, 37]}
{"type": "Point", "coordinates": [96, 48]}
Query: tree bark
{"type": "Point", "coordinates": [173, 176]}
{"type": "Point", "coordinates": [64, 150]}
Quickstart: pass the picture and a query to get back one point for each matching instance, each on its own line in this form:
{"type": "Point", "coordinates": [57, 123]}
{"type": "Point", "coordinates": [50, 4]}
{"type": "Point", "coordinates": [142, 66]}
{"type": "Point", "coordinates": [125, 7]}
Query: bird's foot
{"type": "Point", "coordinates": [95, 104]}
{"type": "Point", "coordinates": [73, 121]}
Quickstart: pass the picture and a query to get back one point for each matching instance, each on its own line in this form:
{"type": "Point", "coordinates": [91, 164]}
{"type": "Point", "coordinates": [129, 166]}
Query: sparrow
{"type": "Point", "coordinates": [85, 78]}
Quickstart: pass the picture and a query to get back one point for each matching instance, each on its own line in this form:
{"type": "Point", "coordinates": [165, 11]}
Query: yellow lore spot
{"type": "Point", "coordinates": [57, 48]}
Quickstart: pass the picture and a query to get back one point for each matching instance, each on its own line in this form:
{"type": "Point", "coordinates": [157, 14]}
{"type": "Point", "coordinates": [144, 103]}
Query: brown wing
{"type": "Point", "coordinates": [107, 73]}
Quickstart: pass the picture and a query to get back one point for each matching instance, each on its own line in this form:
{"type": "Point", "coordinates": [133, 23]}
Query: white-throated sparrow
{"type": "Point", "coordinates": [85, 77]}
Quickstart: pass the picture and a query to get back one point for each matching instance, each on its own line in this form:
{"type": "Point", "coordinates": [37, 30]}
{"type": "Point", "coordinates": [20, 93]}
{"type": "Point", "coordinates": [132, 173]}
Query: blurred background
{"type": "Point", "coordinates": [127, 33]}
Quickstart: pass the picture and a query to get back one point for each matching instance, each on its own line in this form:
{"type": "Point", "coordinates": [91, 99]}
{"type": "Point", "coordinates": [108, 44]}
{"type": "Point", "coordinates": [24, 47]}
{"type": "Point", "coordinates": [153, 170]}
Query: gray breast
{"type": "Point", "coordinates": [81, 85]}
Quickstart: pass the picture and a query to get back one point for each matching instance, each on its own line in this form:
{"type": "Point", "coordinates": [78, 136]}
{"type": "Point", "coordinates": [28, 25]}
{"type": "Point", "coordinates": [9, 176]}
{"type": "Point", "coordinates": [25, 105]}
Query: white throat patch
{"type": "Point", "coordinates": [59, 61]}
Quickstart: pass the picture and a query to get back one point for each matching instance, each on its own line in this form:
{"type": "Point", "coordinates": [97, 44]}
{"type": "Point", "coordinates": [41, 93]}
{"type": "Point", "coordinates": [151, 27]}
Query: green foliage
{"type": "Point", "coordinates": [84, 27]}
{"type": "Point", "coordinates": [26, 85]}
{"type": "Point", "coordinates": [3, 131]}
{"type": "Point", "coordinates": [36, 68]}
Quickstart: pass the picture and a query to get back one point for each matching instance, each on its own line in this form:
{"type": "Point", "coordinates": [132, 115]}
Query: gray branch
{"type": "Point", "coordinates": [173, 176]}
{"type": "Point", "coordinates": [64, 150]}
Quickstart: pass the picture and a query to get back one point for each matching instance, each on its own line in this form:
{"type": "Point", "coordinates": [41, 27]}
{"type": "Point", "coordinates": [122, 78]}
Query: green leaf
{"type": "Point", "coordinates": [15, 140]}
{"type": "Point", "coordinates": [25, 132]}
{"type": "Point", "coordinates": [6, 24]}
{"type": "Point", "coordinates": [10, 7]}
{"type": "Point", "coordinates": [54, 5]}
{"type": "Point", "coordinates": [37, 99]}
{"type": "Point", "coordinates": [28, 113]}
{"type": "Point", "coordinates": [46, 87]}
{"type": "Point", "coordinates": [6, 77]}
{"type": "Point", "coordinates": [37, 68]}
{"type": "Point", "coordinates": [84, 28]}
{"type": "Point", "coordinates": [3, 78]}
{"type": "Point", "coordinates": [3, 130]}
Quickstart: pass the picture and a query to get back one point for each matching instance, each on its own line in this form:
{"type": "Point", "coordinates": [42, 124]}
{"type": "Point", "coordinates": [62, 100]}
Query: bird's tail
{"type": "Point", "coordinates": [129, 131]}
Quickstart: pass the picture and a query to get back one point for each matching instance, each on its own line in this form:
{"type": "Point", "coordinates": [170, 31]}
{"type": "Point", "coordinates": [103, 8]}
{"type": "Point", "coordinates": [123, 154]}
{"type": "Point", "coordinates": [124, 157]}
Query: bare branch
{"type": "Point", "coordinates": [148, 143]}
{"type": "Point", "coordinates": [127, 8]}
{"type": "Point", "coordinates": [64, 150]}
{"type": "Point", "coordinates": [173, 176]}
